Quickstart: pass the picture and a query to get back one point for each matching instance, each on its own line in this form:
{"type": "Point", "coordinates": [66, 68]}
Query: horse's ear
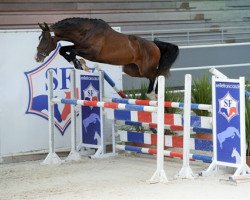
{"type": "Point", "coordinates": [46, 26]}
{"type": "Point", "coordinates": [41, 26]}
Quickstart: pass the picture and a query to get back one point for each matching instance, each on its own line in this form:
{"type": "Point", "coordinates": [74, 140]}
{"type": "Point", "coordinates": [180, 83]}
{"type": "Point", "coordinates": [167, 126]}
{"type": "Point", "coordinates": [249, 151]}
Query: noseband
{"type": "Point", "coordinates": [44, 54]}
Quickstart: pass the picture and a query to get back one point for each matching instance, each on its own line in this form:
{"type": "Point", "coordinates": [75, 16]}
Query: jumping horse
{"type": "Point", "coordinates": [95, 40]}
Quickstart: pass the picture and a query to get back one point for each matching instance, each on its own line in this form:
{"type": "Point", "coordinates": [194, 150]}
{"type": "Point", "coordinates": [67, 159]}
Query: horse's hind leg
{"type": "Point", "coordinates": [133, 70]}
{"type": "Point", "coordinates": [151, 85]}
{"type": "Point", "coordinates": [152, 89]}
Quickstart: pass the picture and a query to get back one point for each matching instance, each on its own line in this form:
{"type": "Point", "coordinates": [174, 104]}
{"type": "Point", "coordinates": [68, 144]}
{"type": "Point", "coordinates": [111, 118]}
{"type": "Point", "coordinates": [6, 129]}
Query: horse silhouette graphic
{"type": "Point", "coordinates": [97, 137]}
{"type": "Point", "coordinates": [237, 156]}
{"type": "Point", "coordinates": [92, 118]}
{"type": "Point", "coordinates": [230, 132]}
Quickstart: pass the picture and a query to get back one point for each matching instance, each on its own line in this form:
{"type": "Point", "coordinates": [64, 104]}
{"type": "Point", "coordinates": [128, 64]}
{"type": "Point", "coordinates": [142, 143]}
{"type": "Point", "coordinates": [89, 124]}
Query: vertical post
{"type": "Point", "coordinates": [186, 171]}
{"type": "Point", "coordinates": [74, 154]}
{"type": "Point", "coordinates": [52, 157]}
{"type": "Point", "coordinates": [101, 148]}
{"type": "Point", "coordinates": [73, 112]}
{"type": "Point", "coordinates": [113, 137]}
{"type": "Point", "coordinates": [243, 169]}
{"type": "Point", "coordinates": [159, 175]}
{"type": "Point", "coordinates": [243, 122]}
{"type": "Point", "coordinates": [51, 115]}
{"type": "Point", "coordinates": [217, 73]}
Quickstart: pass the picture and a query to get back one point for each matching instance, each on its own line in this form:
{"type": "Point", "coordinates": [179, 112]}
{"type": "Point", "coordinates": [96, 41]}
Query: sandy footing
{"type": "Point", "coordinates": [120, 177]}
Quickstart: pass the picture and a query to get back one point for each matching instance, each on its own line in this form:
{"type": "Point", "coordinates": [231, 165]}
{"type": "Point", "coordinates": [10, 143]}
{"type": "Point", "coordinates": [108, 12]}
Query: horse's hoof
{"type": "Point", "coordinates": [152, 96]}
{"type": "Point", "coordinates": [77, 64]}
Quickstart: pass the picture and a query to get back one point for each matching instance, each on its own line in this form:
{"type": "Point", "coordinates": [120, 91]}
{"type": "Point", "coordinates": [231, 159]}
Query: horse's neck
{"type": "Point", "coordinates": [62, 38]}
{"type": "Point", "coordinates": [61, 35]}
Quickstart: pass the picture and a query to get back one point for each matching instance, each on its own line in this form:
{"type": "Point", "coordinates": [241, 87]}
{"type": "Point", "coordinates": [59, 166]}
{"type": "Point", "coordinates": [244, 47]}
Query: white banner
{"type": "Point", "coordinates": [23, 89]}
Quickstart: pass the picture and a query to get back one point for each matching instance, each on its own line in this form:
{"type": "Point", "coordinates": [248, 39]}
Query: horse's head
{"type": "Point", "coordinates": [46, 45]}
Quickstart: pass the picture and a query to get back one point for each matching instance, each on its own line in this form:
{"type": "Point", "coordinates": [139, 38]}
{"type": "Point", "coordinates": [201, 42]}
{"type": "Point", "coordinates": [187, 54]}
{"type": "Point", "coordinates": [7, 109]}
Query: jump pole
{"type": "Point", "coordinates": [52, 157]}
{"type": "Point", "coordinates": [74, 154]}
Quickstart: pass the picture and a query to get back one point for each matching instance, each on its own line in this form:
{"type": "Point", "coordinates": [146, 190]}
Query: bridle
{"type": "Point", "coordinates": [43, 51]}
{"type": "Point", "coordinates": [44, 54]}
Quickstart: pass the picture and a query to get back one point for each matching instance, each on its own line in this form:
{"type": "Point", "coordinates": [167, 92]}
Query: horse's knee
{"type": "Point", "coordinates": [62, 51]}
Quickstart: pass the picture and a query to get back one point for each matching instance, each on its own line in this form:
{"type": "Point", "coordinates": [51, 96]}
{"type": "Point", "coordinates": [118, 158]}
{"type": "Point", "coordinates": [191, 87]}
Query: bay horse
{"type": "Point", "coordinates": [95, 40]}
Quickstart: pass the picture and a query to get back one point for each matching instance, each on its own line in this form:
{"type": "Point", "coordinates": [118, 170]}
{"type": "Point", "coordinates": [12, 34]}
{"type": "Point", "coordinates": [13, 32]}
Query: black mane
{"type": "Point", "coordinates": [76, 21]}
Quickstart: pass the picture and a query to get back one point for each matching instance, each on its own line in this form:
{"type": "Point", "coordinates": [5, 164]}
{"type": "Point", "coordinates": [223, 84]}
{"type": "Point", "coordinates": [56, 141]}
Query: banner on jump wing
{"type": "Point", "coordinates": [228, 133]}
{"type": "Point", "coordinates": [91, 117]}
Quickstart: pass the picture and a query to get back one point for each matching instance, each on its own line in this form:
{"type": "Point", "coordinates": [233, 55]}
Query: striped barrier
{"type": "Point", "coordinates": [149, 114]}
{"type": "Point", "coordinates": [169, 140]}
{"type": "Point", "coordinates": [166, 126]}
{"type": "Point", "coordinates": [172, 154]}
{"type": "Point", "coordinates": [52, 157]}
{"type": "Point", "coordinates": [173, 122]}
{"type": "Point", "coordinates": [119, 106]}
{"type": "Point", "coordinates": [169, 119]}
{"type": "Point", "coordinates": [167, 104]}
{"type": "Point", "coordinates": [112, 84]}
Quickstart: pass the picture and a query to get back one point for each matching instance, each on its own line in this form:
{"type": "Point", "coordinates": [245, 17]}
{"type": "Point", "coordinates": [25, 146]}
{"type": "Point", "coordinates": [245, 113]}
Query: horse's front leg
{"type": "Point", "coordinates": [69, 53]}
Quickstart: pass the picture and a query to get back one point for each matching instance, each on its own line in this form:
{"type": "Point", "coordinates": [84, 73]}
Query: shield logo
{"type": "Point", "coordinates": [228, 107]}
{"type": "Point", "coordinates": [38, 89]}
{"type": "Point", "coordinates": [90, 93]}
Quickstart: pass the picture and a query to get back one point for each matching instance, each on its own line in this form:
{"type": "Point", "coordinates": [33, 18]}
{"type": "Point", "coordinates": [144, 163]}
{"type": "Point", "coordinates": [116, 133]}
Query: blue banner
{"type": "Point", "coordinates": [90, 119]}
{"type": "Point", "coordinates": [228, 122]}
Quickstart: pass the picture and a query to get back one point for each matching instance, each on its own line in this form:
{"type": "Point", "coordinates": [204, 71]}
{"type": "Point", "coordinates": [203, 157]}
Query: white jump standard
{"type": "Point", "coordinates": [52, 158]}
{"type": "Point", "coordinates": [228, 136]}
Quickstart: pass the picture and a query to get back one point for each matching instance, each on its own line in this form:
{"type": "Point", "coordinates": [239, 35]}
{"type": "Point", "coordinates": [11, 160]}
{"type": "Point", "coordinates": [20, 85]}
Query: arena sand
{"type": "Point", "coordinates": [120, 177]}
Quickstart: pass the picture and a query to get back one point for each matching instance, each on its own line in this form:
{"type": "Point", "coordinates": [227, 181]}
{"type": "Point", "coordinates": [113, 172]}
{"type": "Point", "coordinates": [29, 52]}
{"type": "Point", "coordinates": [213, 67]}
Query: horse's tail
{"type": "Point", "coordinates": [169, 53]}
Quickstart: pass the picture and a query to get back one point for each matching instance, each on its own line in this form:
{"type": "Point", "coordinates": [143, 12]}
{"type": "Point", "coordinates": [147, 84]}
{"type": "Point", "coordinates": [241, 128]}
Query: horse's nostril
{"type": "Point", "coordinates": [36, 58]}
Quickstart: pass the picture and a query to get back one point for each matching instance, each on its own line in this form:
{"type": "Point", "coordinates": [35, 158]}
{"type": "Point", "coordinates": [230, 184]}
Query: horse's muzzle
{"type": "Point", "coordinates": [38, 59]}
